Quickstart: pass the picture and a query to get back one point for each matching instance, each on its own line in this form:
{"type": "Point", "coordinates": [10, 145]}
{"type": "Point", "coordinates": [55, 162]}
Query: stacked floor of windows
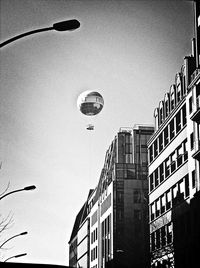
{"type": "Point", "coordinates": [171, 130]}
{"type": "Point", "coordinates": [170, 165]}
{"type": "Point", "coordinates": [170, 198]}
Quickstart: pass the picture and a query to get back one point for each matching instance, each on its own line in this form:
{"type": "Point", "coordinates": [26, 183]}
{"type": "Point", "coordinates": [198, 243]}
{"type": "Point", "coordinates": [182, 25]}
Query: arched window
{"type": "Point", "coordinates": [156, 115]}
{"type": "Point", "coordinates": [166, 104]}
{"type": "Point", "coordinates": [179, 93]}
{"type": "Point", "coordinates": [161, 112]}
{"type": "Point", "coordinates": [172, 97]}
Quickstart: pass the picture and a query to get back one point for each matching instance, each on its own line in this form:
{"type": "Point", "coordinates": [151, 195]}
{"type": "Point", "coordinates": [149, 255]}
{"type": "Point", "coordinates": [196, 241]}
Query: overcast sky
{"type": "Point", "coordinates": [129, 51]}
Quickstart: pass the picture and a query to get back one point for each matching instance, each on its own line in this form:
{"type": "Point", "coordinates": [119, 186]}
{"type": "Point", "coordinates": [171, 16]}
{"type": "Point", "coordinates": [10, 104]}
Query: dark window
{"type": "Point", "coordinates": [161, 115]}
{"type": "Point", "coordinates": [152, 211]}
{"type": "Point", "coordinates": [192, 141]}
{"type": "Point", "coordinates": [178, 122]}
{"type": "Point", "coordinates": [163, 202]}
{"type": "Point", "coordinates": [185, 152]}
{"type": "Point", "coordinates": [168, 199]}
{"type": "Point", "coordinates": [158, 238]}
{"type": "Point", "coordinates": [166, 108]}
{"type": "Point", "coordinates": [193, 179]}
{"type": "Point", "coordinates": [163, 236]}
{"type": "Point", "coordinates": [151, 182]}
{"type": "Point", "coordinates": [184, 115]}
{"type": "Point", "coordinates": [155, 148]}
{"type": "Point", "coordinates": [169, 233]}
{"type": "Point", "coordinates": [156, 177]}
{"type": "Point", "coordinates": [172, 131]}
{"type": "Point", "coordinates": [161, 169]}
{"type": "Point", "coordinates": [150, 153]}
{"type": "Point", "coordinates": [190, 104]}
{"type": "Point", "coordinates": [166, 136]}
{"type": "Point", "coordinates": [153, 241]}
{"type": "Point", "coordinates": [179, 155]}
{"type": "Point", "coordinates": [187, 190]}
{"type": "Point", "coordinates": [178, 92]}
{"type": "Point", "coordinates": [157, 207]}
{"type": "Point", "coordinates": [160, 140]}
{"type": "Point", "coordinates": [173, 161]}
{"type": "Point", "coordinates": [172, 100]}
{"type": "Point", "coordinates": [167, 166]}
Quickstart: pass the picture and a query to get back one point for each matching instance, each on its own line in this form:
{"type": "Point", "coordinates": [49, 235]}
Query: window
{"type": "Point", "coordinates": [174, 191]}
{"type": "Point", "coordinates": [192, 141]}
{"type": "Point", "coordinates": [156, 177]}
{"type": "Point", "coordinates": [169, 233]}
{"type": "Point", "coordinates": [184, 115]}
{"type": "Point", "coordinates": [185, 149]}
{"type": "Point", "coordinates": [179, 155]}
{"type": "Point", "coordinates": [168, 199]}
{"type": "Point", "coordinates": [163, 203]}
{"type": "Point", "coordinates": [160, 141]}
{"type": "Point", "coordinates": [173, 161]}
{"type": "Point", "coordinates": [181, 188]}
{"type": "Point", "coordinates": [167, 166]}
{"type": "Point", "coordinates": [150, 154]}
{"type": "Point", "coordinates": [152, 211]}
{"type": "Point", "coordinates": [166, 108]}
{"type": "Point", "coordinates": [153, 241]}
{"type": "Point", "coordinates": [155, 148]}
{"type": "Point", "coordinates": [178, 92]}
{"type": "Point", "coordinates": [172, 98]}
{"type": "Point", "coordinates": [163, 236]}
{"type": "Point", "coordinates": [161, 115]}
{"type": "Point", "coordinates": [190, 105]}
{"type": "Point", "coordinates": [161, 169]}
{"type": "Point", "coordinates": [171, 129]}
{"type": "Point", "coordinates": [166, 136]}
{"type": "Point", "coordinates": [187, 190]}
{"type": "Point", "coordinates": [193, 179]}
{"type": "Point", "coordinates": [178, 122]}
{"type": "Point", "coordinates": [158, 238]}
{"type": "Point", "coordinates": [151, 182]}
{"type": "Point", "coordinates": [157, 207]}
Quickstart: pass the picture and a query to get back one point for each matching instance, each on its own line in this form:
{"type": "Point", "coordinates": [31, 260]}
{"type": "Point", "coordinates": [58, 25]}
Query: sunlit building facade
{"type": "Point", "coordinates": [117, 210]}
{"type": "Point", "coordinates": [174, 169]}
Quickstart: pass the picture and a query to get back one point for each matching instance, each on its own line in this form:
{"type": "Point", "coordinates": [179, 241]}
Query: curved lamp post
{"type": "Point", "coordinates": [24, 233]}
{"type": "Point", "coordinates": [68, 25]}
{"type": "Point", "coordinates": [16, 256]}
{"type": "Point", "coordinates": [28, 188]}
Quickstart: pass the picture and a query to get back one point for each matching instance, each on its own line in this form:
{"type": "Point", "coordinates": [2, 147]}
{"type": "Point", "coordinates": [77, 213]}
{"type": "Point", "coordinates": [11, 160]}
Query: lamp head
{"type": "Point", "coordinates": [28, 188]}
{"type": "Point", "coordinates": [68, 25]}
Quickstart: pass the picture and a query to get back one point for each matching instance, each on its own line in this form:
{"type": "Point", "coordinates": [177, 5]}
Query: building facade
{"type": "Point", "coordinates": [117, 210]}
{"type": "Point", "coordinates": [174, 169]}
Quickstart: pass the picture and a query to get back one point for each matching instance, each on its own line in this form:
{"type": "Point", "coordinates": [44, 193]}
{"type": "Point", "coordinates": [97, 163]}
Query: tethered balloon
{"type": "Point", "coordinates": [90, 103]}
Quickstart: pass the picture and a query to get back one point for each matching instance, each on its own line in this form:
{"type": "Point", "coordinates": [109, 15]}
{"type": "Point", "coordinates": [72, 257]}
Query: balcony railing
{"type": "Point", "coordinates": [194, 74]}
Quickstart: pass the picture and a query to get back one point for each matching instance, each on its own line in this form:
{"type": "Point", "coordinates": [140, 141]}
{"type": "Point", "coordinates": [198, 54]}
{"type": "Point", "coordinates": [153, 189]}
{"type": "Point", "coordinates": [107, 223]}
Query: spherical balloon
{"type": "Point", "coordinates": [90, 103]}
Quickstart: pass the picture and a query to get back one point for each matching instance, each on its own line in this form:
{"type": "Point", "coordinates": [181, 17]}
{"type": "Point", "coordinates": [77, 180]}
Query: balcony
{"type": "Point", "coordinates": [196, 153]}
{"type": "Point", "coordinates": [196, 115]}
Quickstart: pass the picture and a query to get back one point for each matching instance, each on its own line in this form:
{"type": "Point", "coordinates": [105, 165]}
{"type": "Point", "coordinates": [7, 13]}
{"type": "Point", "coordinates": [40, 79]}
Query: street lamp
{"type": "Point", "coordinates": [24, 233]}
{"type": "Point", "coordinates": [16, 256]}
{"type": "Point", "coordinates": [28, 188]}
{"type": "Point", "coordinates": [68, 25]}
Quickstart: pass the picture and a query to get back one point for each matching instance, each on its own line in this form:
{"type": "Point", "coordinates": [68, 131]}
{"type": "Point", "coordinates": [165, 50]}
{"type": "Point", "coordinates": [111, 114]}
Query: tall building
{"type": "Point", "coordinates": [174, 169]}
{"type": "Point", "coordinates": [116, 220]}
